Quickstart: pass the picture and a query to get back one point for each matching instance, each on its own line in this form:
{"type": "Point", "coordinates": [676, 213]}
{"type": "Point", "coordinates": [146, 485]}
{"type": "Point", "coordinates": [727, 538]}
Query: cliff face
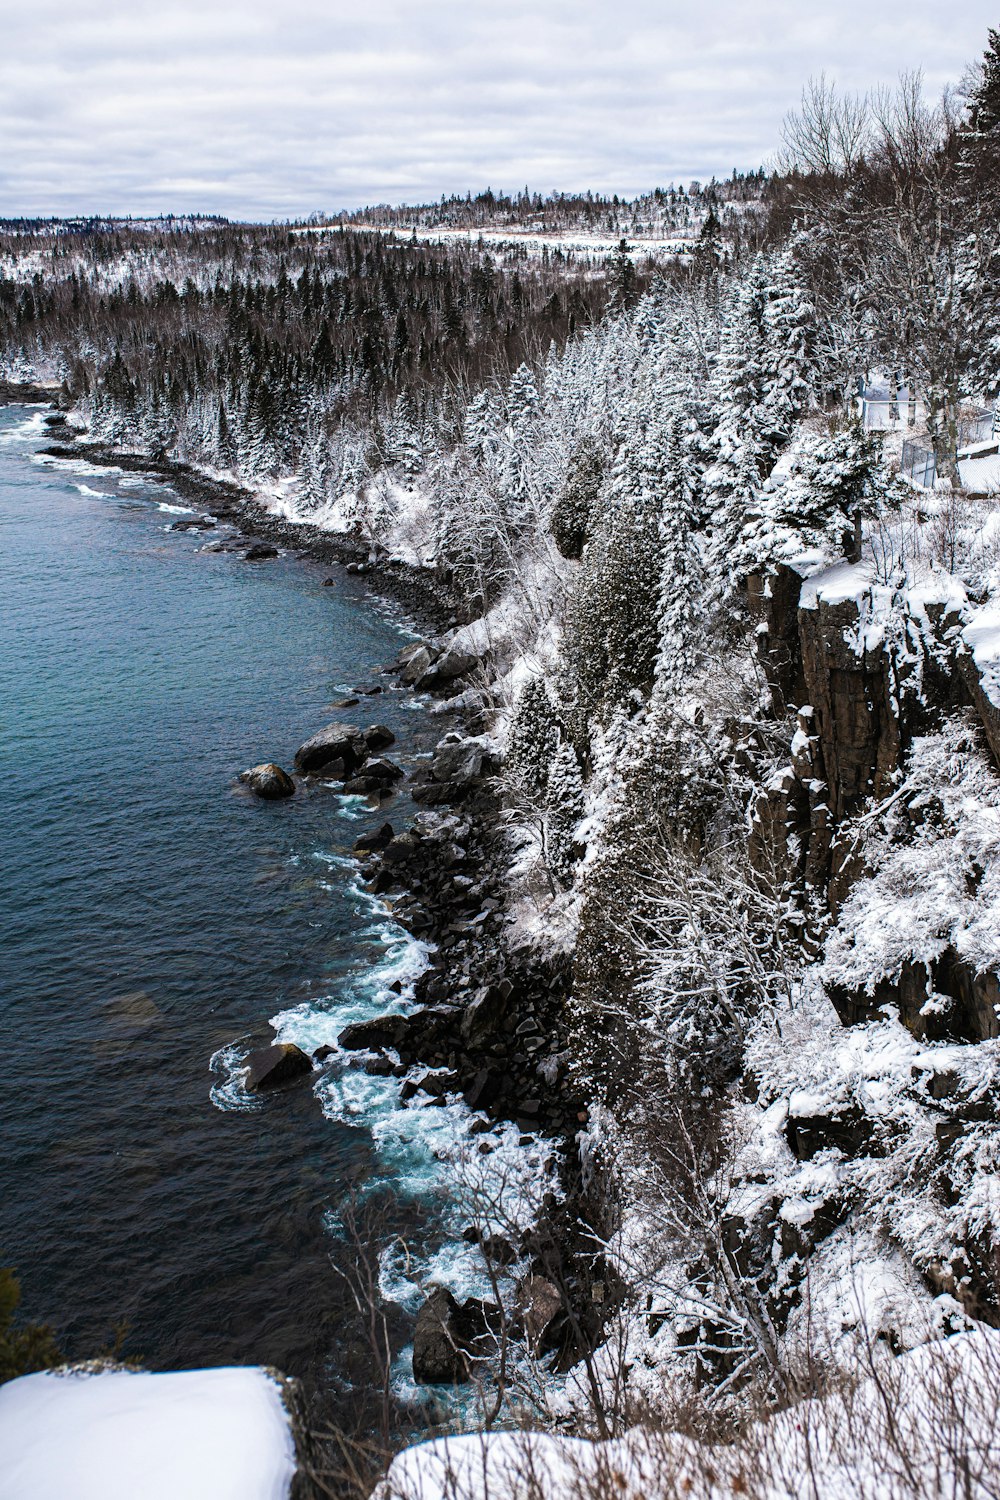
{"type": "Point", "coordinates": [872, 672]}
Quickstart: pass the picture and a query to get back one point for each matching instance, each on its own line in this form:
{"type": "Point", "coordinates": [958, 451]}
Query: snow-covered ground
{"type": "Point", "coordinates": [532, 240]}
{"type": "Point", "coordinates": [121, 1435]}
{"type": "Point", "coordinates": [920, 1425]}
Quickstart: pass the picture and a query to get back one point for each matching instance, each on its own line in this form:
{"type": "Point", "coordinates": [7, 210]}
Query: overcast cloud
{"type": "Point", "coordinates": [266, 109]}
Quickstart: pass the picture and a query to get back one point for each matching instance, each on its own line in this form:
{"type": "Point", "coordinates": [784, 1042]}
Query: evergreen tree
{"type": "Point", "coordinates": [682, 580]}
{"type": "Point", "coordinates": [613, 633]}
{"type": "Point", "coordinates": [623, 285]}
{"type": "Point", "coordinates": [564, 810]}
{"type": "Point", "coordinates": [534, 734]}
{"type": "Point", "coordinates": [572, 511]}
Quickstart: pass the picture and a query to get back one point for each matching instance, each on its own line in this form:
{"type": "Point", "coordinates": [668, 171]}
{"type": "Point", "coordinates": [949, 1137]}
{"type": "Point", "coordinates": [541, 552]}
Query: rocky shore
{"type": "Point", "coordinates": [488, 1023]}
{"type": "Point", "coordinates": [421, 593]}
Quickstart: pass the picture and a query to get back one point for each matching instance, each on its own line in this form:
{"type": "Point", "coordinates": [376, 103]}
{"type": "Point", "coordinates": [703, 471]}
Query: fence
{"type": "Point", "coordinates": [918, 464]}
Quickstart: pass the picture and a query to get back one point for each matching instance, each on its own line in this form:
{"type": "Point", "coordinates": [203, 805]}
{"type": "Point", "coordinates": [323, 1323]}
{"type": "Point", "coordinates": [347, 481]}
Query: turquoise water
{"type": "Point", "coordinates": [154, 917]}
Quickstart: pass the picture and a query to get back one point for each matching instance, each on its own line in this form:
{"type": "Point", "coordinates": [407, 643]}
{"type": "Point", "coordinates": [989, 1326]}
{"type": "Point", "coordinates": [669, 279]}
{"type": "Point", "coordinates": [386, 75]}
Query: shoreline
{"type": "Point", "coordinates": [484, 1019]}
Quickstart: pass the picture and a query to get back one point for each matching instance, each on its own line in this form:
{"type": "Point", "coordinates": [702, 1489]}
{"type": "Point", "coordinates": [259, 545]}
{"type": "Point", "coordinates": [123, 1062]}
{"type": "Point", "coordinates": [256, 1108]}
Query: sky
{"type": "Point", "coordinates": [279, 108]}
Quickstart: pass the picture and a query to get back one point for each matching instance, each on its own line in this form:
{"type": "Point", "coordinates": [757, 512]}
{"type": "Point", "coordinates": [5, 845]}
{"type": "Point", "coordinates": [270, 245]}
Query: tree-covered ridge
{"type": "Point", "coordinates": [243, 344]}
{"type": "Point", "coordinates": [667, 211]}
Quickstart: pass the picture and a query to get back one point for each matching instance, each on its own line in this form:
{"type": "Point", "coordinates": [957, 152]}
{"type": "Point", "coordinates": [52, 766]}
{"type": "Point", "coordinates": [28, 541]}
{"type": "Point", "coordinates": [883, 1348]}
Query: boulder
{"type": "Point", "coordinates": [483, 1090]}
{"type": "Point", "coordinates": [414, 663]}
{"type": "Point", "coordinates": [539, 1303]}
{"type": "Point", "coordinates": [268, 781]}
{"type": "Point", "coordinates": [369, 1036]}
{"type": "Point", "coordinates": [334, 742]}
{"type": "Point", "coordinates": [443, 670]}
{"type": "Point", "coordinates": [448, 1334]}
{"type": "Point", "coordinates": [486, 1013]}
{"type": "Point", "coordinates": [375, 776]}
{"type": "Point", "coordinates": [194, 523]}
{"type": "Point", "coordinates": [378, 737]}
{"type": "Point", "coordinates": [438, 1356]}
{"type": "Point", "coordinates": [369, 843]}
{"type": "Point", "coordinates": [383, 771]}
{"type": "Point", "coordinates": [401, 851]}
{"type": "Point", "coordinates": [279, 1063]}
{"type": "Point", "coordinates": [259, 551]}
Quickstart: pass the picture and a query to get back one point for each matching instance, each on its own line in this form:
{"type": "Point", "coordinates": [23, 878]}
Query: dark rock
{"type": "Point", "coordinates": [259, 551]}
{"type": "Point", "coordinates": [448, 1335]}
{"type": "Point", "coordinates": [403, 849]}
{"type": "Point", "coordinates": [485, 1015]}
{"type": "Point", "coordinates": [383, 771]}
{"type": "Point", "coordinates": [194, 523]}
{"type": "Point", "coordinates": [276, 1064]}
{"type": "Point", "coordinates": [328, 583]}
{"type": "Point", "coordinates": [378, 737]}
{"type": "Point", "coordinates": [334, 742]}
{"type": "Point", "coordinates": [440, 671]}
{"type": "Point", "coordinates": [370, 842]}
{"type": "Point", "coordinates": [483, 1090]}
{"type": "Point", "coordinates": [438, 1356]}
{"type": "Point", "coordinates": [849, 1129]}
{"type": "Point", "coordinates": [268, 781]}
{"type": "Point", "coordinates": [380, 1031]}
{"type": "Point", "coordinates": [413, 662]}
{"type": "Point", "coordinates": [539, 1303]}
{"type": "Point", "coordinates": [322, 1053]}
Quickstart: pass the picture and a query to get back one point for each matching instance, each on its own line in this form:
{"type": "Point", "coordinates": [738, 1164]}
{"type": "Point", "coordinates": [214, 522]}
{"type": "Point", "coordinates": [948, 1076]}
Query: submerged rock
{"type": "Point", "coordinates": [279, 1063]}
{"type": "Point", "coordinates": [268, 781]}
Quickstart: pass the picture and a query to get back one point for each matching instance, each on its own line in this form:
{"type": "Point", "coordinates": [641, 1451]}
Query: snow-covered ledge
{"type": "Point", "coordinates": [116, 1434]}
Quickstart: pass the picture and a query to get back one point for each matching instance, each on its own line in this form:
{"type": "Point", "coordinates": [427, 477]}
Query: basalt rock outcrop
{"type": "Point", "coordinates": [870, 682]}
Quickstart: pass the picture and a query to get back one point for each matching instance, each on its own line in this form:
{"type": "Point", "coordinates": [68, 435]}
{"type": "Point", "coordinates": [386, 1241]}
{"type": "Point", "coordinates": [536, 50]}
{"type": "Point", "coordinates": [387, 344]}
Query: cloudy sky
{"type": "Point", "coordinates": [276, 108]}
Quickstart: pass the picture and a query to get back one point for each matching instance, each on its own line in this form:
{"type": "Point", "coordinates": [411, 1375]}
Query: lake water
{"type": "Point", "coordinates": [154, 917]}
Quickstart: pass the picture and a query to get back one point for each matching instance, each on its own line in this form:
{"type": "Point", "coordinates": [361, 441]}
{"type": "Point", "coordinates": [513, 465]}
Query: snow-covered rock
{"type": "Point", "coordinates": [117, 1434]}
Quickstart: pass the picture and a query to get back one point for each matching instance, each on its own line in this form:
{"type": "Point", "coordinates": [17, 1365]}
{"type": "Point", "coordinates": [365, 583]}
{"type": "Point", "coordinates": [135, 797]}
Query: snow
{"type": "Point", "coordinates": [117, 1434]}
{"type": "Point", "coordinates": [982, 636]}
{"type": "Point", "coordinates": [981, 475]}
{"type": "Point", "coordinates": [836, 585]}
{"type": "Point", "coordinates": [922, 1424]}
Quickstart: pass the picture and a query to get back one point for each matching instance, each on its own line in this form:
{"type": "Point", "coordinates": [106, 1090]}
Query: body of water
{"type": "Point", "coordinates": [154, 916]}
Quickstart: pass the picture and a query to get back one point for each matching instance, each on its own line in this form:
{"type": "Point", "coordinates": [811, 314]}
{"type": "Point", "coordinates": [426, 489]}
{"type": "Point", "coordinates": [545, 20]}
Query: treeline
{"type": "Point", "coordinates": [664, 211]}
{"type": "Point", "coordinates": [243, 344]}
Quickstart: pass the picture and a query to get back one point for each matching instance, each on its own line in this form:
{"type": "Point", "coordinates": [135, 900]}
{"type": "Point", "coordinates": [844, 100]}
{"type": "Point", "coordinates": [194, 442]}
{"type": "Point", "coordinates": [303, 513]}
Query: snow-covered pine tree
{"type": "Point", "coordinates": [571, 514]}
{"type": "Point", "coordinates": [832, 483]}
{"type": "Point", "coordinates": [682, 581]}
{"type": "Point", "coordinates": [564, 810]}
{"type": "Point", "coordinates": [481, 438]}
{"type": "Point", "coordinates": [760, 392]}
{"type": "Point", "coordinates": [613, 632]}
{"type": "Point", "coordinates": [534, 735]}
{"type": "Point", "coordinates": [518, 441]}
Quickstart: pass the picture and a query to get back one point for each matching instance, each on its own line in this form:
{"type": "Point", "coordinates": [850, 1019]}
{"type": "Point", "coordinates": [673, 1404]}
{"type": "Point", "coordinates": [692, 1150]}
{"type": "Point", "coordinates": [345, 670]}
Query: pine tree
{"type": "Point", "coordinates": [613, 634]}
{"type": "Point", "coordinates": [534, 734]}
{"type": "Point", "coordinates": [682, 582]}
{"type": "Point", "coordinates": [564, 810]}
{"type": "Point", "coordinates": [571, 514]}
